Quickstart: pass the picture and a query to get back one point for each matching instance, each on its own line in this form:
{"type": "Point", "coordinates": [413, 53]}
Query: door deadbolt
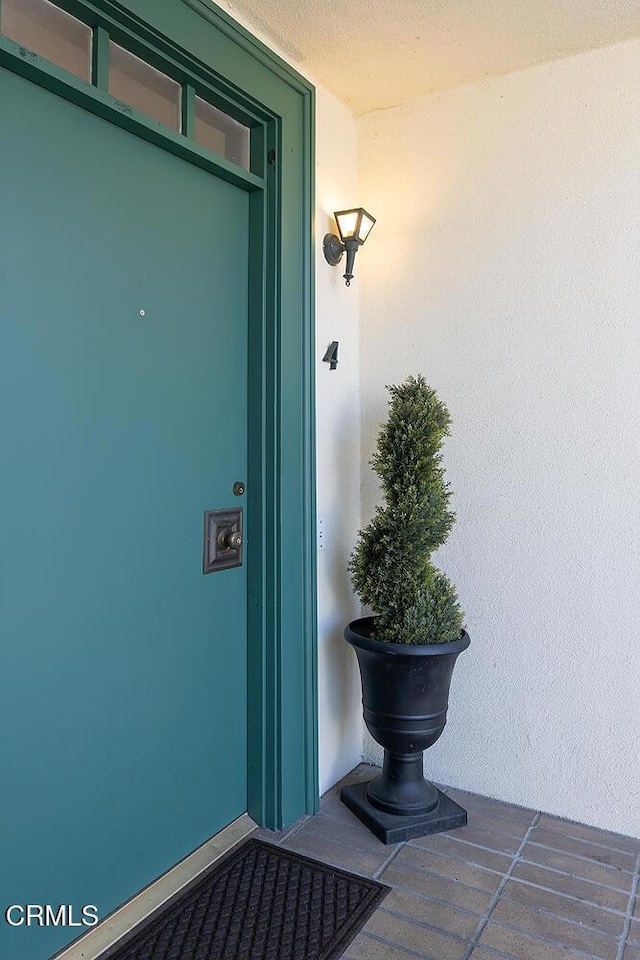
{"type": "Point", "coordinates": [223, 540]}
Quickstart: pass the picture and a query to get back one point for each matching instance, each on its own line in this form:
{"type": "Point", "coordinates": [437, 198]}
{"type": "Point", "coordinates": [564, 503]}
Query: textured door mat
{"type": "Point", "coordinates": [260, 903]}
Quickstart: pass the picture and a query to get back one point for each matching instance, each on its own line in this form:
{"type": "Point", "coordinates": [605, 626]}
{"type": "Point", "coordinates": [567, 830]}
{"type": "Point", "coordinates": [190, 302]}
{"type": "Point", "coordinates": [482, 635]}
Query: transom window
{"type": "Point", "coordinates": [52, 33]}
{"type": "Point", "coordinates": [143, 87]}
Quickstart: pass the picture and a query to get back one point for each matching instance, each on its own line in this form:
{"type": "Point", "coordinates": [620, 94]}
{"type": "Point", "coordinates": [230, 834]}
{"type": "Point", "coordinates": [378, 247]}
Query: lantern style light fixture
{"type": "Point", "coordinates": [354, 227]}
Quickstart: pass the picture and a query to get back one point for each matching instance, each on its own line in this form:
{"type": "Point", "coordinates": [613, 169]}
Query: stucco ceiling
{"type": "Point", "coordinates": [379, 53]}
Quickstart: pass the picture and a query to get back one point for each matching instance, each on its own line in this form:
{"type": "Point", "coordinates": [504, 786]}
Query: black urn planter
{"type": "Point", "coordinates": [405, 694]}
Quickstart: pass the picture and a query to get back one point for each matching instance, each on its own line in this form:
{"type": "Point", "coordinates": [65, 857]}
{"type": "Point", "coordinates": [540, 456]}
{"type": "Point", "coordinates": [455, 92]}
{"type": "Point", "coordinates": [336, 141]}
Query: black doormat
{"type": "Point", "coordinates": [260, 903]}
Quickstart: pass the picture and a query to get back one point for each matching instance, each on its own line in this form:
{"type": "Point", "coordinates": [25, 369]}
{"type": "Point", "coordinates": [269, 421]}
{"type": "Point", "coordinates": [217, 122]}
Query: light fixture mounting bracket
{"type": "Point", "coordinates": [333, 249]}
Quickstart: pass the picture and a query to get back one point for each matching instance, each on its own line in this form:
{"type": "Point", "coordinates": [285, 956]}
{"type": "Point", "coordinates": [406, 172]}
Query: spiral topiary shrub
{"type": "Point", "coordinates": [391, 565]}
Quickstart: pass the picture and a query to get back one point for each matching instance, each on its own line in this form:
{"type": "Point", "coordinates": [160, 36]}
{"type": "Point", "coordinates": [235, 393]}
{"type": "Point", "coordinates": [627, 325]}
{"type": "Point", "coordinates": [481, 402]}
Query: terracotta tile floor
{"type": "Point", "coordinates": [514, 883]}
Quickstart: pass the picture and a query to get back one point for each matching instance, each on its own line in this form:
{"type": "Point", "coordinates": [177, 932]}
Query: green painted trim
{"type": "Point", "coordinates": [258, 150]}
{"type": "Point", "coordinates": [200, 45]}
{"type": "Point", "coordinates": [188, 121]}
{"type": "Point", "coordinates": [312, 781]}
{"type": "Point", "coordinates": [272, 747]}
{"type": "Point", "coordinates": [100, 59]}
{"type": "Point", "coordinates": [259, 51]}
{"type": "Point", "coordinates": [158, 49]}
{"type": "Point", "coordinates": [257, 491]}
{"type": "Point", "coordinates": [278, 803]}
{"type": "Point", "coordinates": [46, 74]}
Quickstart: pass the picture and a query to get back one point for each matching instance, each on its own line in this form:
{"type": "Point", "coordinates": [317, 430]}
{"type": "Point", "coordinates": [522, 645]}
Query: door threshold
{"type": "Point", "coordinates": [93, 944]}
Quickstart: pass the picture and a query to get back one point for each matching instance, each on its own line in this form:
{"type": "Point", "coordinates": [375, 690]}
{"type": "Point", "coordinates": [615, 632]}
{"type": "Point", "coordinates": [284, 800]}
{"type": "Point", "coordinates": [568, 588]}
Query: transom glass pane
{"type": "Point", "coordinates": [50, 32]}
{"type": "Point", "coordinates": [221, 134]}
{"type": "Point", "coordinates": [143, 87]}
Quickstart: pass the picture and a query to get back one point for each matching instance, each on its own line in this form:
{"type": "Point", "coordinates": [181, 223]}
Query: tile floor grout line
{"type": "Point", "coordinates": [484, 828]}
{"type": "Point", "coordinates": [543, 846]}
{"type": "Point", "coordinates": [444, 903]}
{"type": "Point", "coordinates": [586, 843]}
{"type": "Point", "coordinates": [561, 838]}
{"type": "Point", "coordinates": [296, 828]}
{"type": "Point", "coordinates": [460, 859]}
{"type": "Point", "coordinates": [336, 799]}
{"type": "Point", "coordinates": [581, 852]}
{"type": "Point", "coordinates": [343, 843]}
{"type": "Point", "coordinates": [533, 863]}
{"type": "Point", "coordinates": [499, 953]}
{"type": "Point", "coordinates": [513, 818]}
{"type": "Point", "coordinates": [398, 946]}
{"type": "Point", "coordinates": [594, 843]}
{"type": "Point", "coordinates": [484, 797]}
{"type": "Point", "coordinates": [432, 927]}
{"type": "Point", "coordinates": [512, 836]}
{"type": "Point", "coordinates": [394, 853]}
{"type": "Point", "coordinates": [433, 873]}
{"type": "Point", "coordinates": [510, 956]}
{"type": "Point", "coordinates": [556, 916]}
{"type": "Point", "coordinates": [548, 942]}
{"type": "Point", "coordinates": [482, 823]}
{"type": "Point", "coordinates": [543, 910]}
{"type": "Point", "coordinates": [496, 897]}
{"type": "Point", "coordinates": [585, 826]}
{"type": "Point", "coordinates": [478, 846]}
{"type": "Point", "coordinates": [425, 871]}
{"type": "Point", "coordinates": [561, 833]}
{"type": "Point", "coordinates": [573, 876]}
{"type": "Point", "coordinates": [568, 896]}
{"type": "Point", "coordinates": [624, 937]}
{"type": "Point", "coordinates": [579, 856]}
{"type": "Point", "coordinates": [425, 923]}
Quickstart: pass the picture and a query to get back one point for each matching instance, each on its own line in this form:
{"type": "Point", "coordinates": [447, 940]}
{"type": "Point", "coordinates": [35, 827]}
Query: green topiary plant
{"type": "Point", "coordinates": [391, 566]}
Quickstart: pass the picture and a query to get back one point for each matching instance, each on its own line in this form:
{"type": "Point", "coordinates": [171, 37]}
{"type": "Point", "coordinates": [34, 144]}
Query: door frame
{"type": "Point", "coordinates": [196, 42]}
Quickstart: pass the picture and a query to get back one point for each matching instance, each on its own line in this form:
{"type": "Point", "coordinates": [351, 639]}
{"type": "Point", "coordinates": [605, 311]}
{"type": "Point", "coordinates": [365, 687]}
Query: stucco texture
{"type": "Point", "coordinates": [338, 449]}
{"type": "Point", "coordinates": [504, 267]}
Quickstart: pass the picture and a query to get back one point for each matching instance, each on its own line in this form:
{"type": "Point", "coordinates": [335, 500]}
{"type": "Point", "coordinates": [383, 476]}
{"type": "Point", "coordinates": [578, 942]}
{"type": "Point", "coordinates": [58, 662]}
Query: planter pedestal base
{"type": "Point", "coordinates": [391, 828]}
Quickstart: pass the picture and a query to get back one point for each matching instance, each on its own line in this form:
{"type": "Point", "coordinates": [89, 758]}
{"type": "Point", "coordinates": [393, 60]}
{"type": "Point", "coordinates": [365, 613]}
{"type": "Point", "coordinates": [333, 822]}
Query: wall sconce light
{"type": "Point", "coordinates": [354, 227]}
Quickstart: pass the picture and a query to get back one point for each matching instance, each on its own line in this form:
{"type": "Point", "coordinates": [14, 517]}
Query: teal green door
{"type": "Point", "coordinates": [123, 417]}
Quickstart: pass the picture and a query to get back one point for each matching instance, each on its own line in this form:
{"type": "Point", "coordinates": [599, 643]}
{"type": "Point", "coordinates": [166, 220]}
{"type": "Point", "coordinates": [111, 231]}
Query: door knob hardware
{"type": "Point", "coordinates": [238, 488]}
{"type": "Point", "coordinates": [223, 539]}
{"type": "Point", "coordinates": [229, 540]}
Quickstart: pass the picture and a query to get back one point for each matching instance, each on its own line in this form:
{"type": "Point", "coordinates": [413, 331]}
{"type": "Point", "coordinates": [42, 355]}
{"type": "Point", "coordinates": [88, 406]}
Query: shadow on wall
{"type": "Point", "coordinates": [339, 684]}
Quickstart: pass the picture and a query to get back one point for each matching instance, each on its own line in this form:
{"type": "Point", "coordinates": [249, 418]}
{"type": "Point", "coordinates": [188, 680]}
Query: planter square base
{"type": "Point", "coordinates": [391, 828]}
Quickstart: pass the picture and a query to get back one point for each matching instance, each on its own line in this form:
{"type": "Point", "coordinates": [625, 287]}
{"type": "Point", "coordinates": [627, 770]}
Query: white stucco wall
{"type": "Point", "coordinates": [338, 449]}
{"type": "Point", "coordinates": [504, 267]}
